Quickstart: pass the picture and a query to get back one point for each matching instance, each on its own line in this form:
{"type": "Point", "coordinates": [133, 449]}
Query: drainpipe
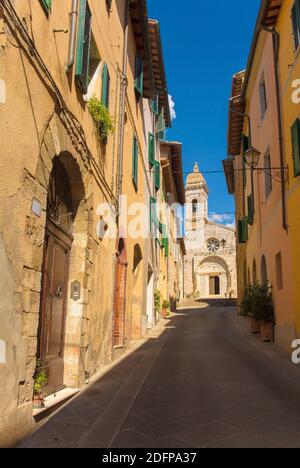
{"type": "Point", "coordinates": [276, 45]}
{"type": "Point", "coordinates": [73, 30]}
{"type": "Point", "coordinates": [122, 105]}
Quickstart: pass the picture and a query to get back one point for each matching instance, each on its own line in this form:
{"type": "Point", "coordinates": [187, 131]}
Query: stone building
{"type": "Point", "coordinates": [74, 282]}
{"type": "Point", "coordinates": [210, 263]}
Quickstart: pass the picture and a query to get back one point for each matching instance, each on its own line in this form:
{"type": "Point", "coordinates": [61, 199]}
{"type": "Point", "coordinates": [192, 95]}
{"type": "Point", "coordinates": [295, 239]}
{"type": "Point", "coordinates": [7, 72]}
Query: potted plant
{"type": "Point", "coordinates": [265, 312]}
{"type": "Point", "coordinates": [165, 309]}
{"type": "Point", "coordinates": [40, 380]}
{"type": "Point", "coordinates": [248, 309]}
{"type": "Point", "coordinates": [157, 302]}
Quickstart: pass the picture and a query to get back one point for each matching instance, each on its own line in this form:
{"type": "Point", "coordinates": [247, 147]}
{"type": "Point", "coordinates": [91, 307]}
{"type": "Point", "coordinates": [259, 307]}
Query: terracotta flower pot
{"type": "Point", "coordinates": [267, 332]}
{"type": "Point", "coordinates": [255, 326]}
{"type": "Point", "coordinates": [164, 313]}
{"type": "Point", "coordinates": [38, 402]}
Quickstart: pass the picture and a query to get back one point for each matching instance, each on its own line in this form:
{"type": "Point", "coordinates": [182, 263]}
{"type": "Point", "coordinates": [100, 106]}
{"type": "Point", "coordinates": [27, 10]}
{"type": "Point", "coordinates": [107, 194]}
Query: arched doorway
{"type": "Point", "coordinates": [212, 277]}
{"type": "Point", "coordinates": [120, 296]}
{"type": "Point", "coordinates": [264, 271]}
{"type": "Point", "coordinates": [61, 211]}
{"type": "Point", "coordinates": [137, 293]}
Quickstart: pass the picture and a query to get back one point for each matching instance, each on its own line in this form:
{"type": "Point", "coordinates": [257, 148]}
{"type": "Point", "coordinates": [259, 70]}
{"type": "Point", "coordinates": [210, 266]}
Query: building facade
{"type": "Point", "coordinates": [210, 263]}
{"type": "Point", "coordinates": [78, 287]}
{"type": "Point", "coordinates": [263, 117]}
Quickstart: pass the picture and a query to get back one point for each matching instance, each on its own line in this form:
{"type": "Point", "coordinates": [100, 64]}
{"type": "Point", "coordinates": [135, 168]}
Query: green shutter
{"type": "Point", "coordinates": [243, 230]}
{"type": "Point", "coordinates": [83, 46]}
{"type": "Point", "coordinates": [157, 175]}
{"type": "Point", "coordinates": [296, 23]}
{"type": "Point", "coordinates": [155, 105]}
{"type": "Point", "coordinates": [296, 147]}
{"type": "Point", "coordinates": [139, 75]}
{"type": "Point", "coordinates": [151, 149]}
{"type": "Point", "coordinates": [250, 210]}
{"type": "Point", "coordinates": [47, 4]}
{"type": "Point", "coordinates": [135, 156]}
{"type": "Point", "coordinates": [153, 216]}
{"type": "Point", "coordinates": [105, 86]}
{"type": "Point", "coordinates": [165, 240]}
{"type": "Point", "coordinates": [245, 148]}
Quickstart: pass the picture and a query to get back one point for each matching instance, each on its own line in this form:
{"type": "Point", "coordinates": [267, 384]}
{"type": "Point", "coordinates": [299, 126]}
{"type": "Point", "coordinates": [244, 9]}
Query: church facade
{"type": "Point", "coordinates": [210, 263]}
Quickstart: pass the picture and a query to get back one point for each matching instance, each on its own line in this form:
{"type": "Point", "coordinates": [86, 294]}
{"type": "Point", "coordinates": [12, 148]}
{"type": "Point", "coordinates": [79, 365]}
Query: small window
{"type": "Point", "coordinates": [250, 206]}
{"type": "Point", "coordinates": [195, 206]}
{"type": "Point", "coordinates": [155, 105]}
{"type": "Point", "coordinates": [296, 147]}
{"type": "Point", "coordinates": [135, 159]}
{"type": "Point", "coordinates": [296, 23]}
{"type": "Point", "coordinates": [279, 274]}
{"type": "Point", "coordinates": [245, 148]}
{"type": "Point", "coordinates": [108, 4]}
{"type": "Point", "coordinates": [105, 86]}
{"type": "Point", "coordinates": [268, 175]}
{"type": "Point", "coordinates": [263, 98]}
{"type": "Point", "coordinates": [139, 75]}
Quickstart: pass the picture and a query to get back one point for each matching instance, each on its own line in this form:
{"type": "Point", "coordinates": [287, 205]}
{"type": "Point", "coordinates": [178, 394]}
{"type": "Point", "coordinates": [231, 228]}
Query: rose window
{"type": "Point", "coordinates": [213, 245]}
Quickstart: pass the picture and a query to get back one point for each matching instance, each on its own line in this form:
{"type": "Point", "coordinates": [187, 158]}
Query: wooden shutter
{"type": "Point", "coordinates": [155, 105]}
{"type": "Point", "coordinates": [83, 46]}
{"type": "Point", "coordinates": [263, 98]}
{"type": "Point", "coordinates": [245, 148]}
{"type": "Point", "coordinates": [157, 174]}
{"type": "Point", "coordinates": [105, 86]}
{"type": "Point", "coordinates": [135, 156]}
{"type": "Point", "coordinates": [47, 4]}
{"type": "Point", "coordinates": [139, 75]}
{"type": "Point", "coordinates": [250, 210]}
{"type": "Point", "coordinates": [296, 147]}
{"type": "Point", "coordinates": [151, 149]}
{"type": "Point", "coordinates": [165, 240]}
{"type": "Point", "coordinates": [243, 230]}
{"type": "Point", "coordinates": [153, 216]}
{"type": "Point", "coordinates": [296, 23]}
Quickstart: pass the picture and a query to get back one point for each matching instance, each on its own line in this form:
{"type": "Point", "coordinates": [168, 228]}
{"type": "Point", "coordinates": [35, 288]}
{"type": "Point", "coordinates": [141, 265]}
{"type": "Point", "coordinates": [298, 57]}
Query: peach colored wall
{"type": "Point", "coordinates": [266, 236]}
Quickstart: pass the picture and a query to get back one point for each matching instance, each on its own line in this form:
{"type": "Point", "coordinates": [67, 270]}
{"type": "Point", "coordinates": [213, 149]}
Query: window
{"type": "Point", "coordinates": [243, 230]}
{"type": "Point", "coordinates": [263, 98]}
{"type": "Point", "coordinates": [268, 175]}
{"type": "Point", "coordinates": [157, 175]}
{"type": "Point", "coordinates": [279, 274]}
{"type": "Point", "coordinates": [135, 159]}
{"type": "Point", "coordinates": [195, 206]}
{"type": "Point", "coordinates": [296, 147]}
{"type": "Point", "coordinates": [151, 149]}
{"type": "Point", "coordinates": [83, 46]}
{"type": "Point", "coordinates": [245, 148]}
{"type": "Point", "coordinates": [296, 23]}
{"type": "Point", "coordinates": [108, 4]}
{"type": "Point", "coordinates": [139, 75]}
{"type": "Point", "coordinates": [105, 86]}
{"type": "Point", "coordinates": [213, 245]}
{"type": "Point", "coordinates": [250, 206]}
{"type": "Point", "coordinates": [264, 271]}
{"type": "Point", "coordinates": [165, 241]}
{"type": "Point", "coordinates": [254, 272]}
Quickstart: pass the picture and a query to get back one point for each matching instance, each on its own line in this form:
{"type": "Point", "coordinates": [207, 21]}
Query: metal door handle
{"type": "Point", "coordinates": [58, 292]}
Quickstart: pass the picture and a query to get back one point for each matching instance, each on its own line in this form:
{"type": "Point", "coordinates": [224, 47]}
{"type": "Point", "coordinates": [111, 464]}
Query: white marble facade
{"type": "Point", "coordinates": [210, 264]}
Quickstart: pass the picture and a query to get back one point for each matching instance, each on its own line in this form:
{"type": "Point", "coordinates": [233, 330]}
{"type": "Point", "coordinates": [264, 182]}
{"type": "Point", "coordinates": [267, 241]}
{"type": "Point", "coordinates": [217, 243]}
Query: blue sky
{"type": "Point", "coordinates": [204, 44]}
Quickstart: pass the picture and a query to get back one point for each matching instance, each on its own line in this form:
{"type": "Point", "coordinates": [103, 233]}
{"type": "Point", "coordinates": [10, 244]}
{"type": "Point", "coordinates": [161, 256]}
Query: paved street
{"type": "Point", "coordinates": [202, 381]}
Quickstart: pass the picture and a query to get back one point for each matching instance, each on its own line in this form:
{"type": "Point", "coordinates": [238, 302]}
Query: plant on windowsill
{"type": "Point", "coordinates": [165, 309]}
{"type": "Point", "coordinates": [40, 380]}
{"type": "Point", "coordinates": [102, 119]}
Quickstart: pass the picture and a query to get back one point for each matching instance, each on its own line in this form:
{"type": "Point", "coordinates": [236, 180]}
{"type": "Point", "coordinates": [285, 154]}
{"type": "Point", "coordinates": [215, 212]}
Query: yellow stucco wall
{"type": "Point", "coordinates": [289, 62]}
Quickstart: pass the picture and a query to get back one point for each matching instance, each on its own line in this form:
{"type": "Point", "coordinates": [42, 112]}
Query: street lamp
{"type": "Point", "coordinates": [252, 156]}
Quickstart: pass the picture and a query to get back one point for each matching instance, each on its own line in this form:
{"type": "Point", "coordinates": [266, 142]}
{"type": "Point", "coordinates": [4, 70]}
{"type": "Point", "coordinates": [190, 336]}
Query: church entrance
{"type": "Point", "coordinates": [214, 286]}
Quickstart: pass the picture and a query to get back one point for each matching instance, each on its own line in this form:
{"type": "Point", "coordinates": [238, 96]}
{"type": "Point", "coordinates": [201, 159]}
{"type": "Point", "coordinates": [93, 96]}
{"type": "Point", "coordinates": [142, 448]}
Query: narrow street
{"type": "Point", "coordinates": [201, 380]}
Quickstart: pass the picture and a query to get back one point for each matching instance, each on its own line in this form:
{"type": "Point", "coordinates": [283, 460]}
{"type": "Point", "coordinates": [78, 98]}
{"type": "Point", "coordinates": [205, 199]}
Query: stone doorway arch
{"type": "Point", "coordinates": [120, 295]}
{"type": "Point", "coordinates": [213, 278]}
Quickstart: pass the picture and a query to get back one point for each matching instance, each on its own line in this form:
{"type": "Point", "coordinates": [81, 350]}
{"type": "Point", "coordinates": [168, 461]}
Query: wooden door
{"type": "Point", "coordinates": [212, 286]}
{"type": "Point", "coordinates": [54, 302]}
{"type": "Point", "coordinates": [119, 304]}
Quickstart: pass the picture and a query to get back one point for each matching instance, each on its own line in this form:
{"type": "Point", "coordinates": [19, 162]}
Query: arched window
{"type": "Point", "coordinates": [195, 206]}
{"type": "Point", "coordinates": [264, 271]}
{"type": "Point", "coordinates": [254, 272]}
